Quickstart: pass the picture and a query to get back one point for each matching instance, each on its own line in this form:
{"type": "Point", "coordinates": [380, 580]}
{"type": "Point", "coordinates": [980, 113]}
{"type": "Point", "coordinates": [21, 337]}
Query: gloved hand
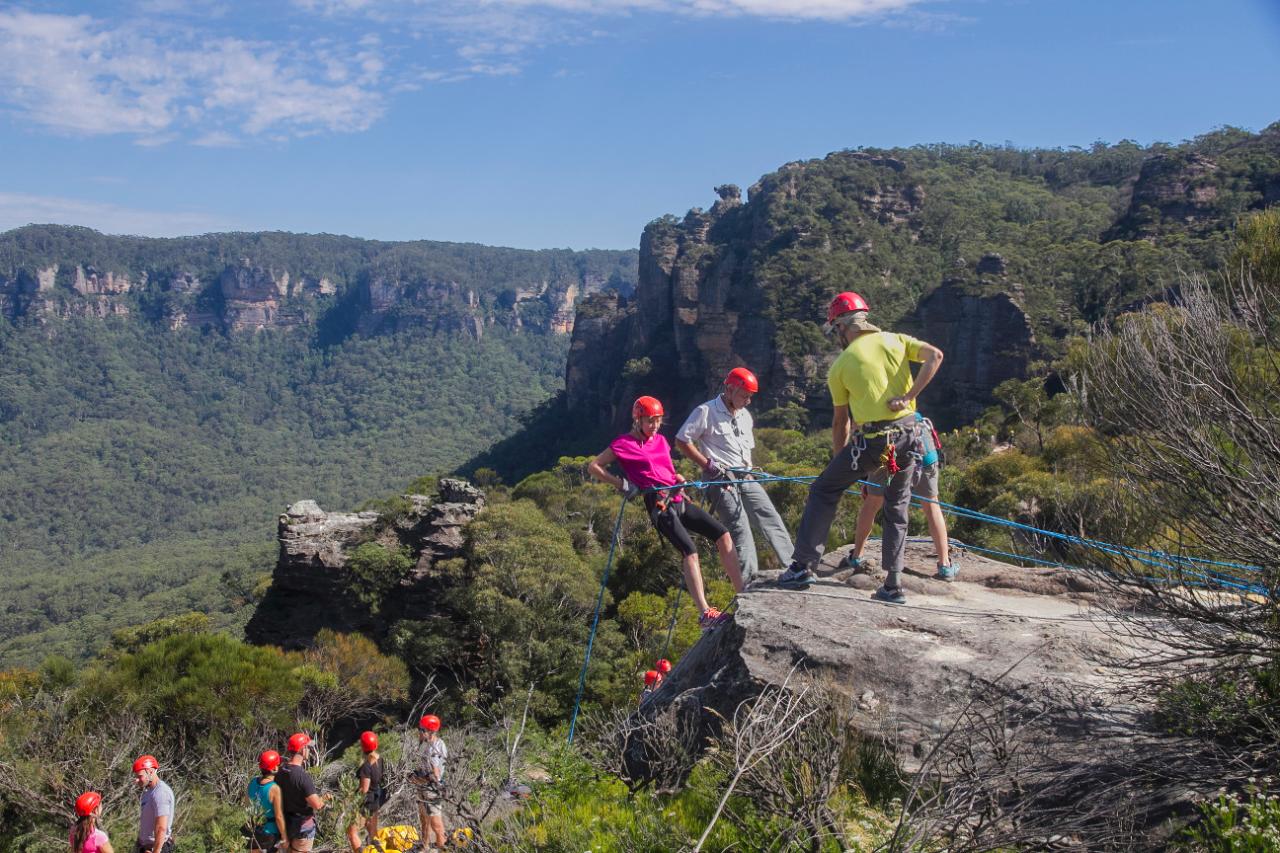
{"type": "Point", "coordinates": [628, 488]}
{"type": "Point", "coordinates": [715, 472]}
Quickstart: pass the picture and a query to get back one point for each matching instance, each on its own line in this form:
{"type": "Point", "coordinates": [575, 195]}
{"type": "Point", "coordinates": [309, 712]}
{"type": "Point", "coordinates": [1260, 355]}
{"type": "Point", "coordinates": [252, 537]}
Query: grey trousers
{"type": "Point", "coordinates": [738, 507]}
{"type": "Point", "coordinates": [840, 474]}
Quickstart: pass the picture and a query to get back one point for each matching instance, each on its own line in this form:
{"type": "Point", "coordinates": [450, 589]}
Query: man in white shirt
{"type": "Point", "coordinates": [718, 436]}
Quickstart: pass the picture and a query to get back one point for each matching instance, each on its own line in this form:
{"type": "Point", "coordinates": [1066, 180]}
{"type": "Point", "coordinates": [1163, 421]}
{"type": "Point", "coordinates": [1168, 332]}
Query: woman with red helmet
{"type": "Point", "coordinates": [370, 776]}
{"type": "Point", "coordinates": [86, 837]}
{"type": "Point", "coordinates": [428, 779]}
{"type": "Point", "coordinates": [268, 805]}
{"type": "Point", "coordinates": [645, 459]}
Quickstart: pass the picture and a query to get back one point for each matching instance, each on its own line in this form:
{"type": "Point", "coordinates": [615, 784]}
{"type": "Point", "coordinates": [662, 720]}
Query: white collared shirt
{"type": "Point", "coordinates": [723, 436]}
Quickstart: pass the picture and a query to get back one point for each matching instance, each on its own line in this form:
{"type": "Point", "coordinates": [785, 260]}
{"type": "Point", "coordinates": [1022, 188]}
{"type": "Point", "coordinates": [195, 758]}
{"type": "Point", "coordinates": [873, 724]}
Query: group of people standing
{"type": "Point", "coordinates": [283, 798]}
{"type": "Point", "coordinates": [877, 437]}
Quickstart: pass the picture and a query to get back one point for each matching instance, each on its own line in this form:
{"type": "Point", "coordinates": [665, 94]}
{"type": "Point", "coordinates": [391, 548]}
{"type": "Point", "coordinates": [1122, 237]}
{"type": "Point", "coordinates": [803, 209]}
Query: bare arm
{"type": "Point", "coordinates": [839, 429]}
{"type": "Point", "coordinates": [596, 468]}
{"type": "Point", "coordinates": [104, 847]}
{"type": "Point", "coordinates": [162, 832]}
{"type": "Point", "coordinates": [277, 806]}
{"type": "Point", "coordinates": [315, 801]}
{"type": "Point", "coordinates": [932, 361]}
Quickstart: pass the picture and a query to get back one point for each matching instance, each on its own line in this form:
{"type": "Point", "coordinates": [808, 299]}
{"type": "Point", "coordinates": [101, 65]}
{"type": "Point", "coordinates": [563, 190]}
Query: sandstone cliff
{"type": "Point", "coordinates": [251, 282]}
{"type": "Point", "coordinates": [705, 303]}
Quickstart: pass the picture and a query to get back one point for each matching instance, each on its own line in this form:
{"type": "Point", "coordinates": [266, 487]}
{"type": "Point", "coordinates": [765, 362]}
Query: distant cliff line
{"type": "Point", "coordinates": [256, 281]}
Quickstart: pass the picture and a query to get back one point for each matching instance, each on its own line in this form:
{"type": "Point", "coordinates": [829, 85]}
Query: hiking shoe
{"type": "Point", "coordinates": [890, 596]}
{"type": "Point", "coordinates": [710, 618]}
{"type": "Point", "coordinates": [946, 573]}
{"type": "Point", "coordinates": [856, 563]}
{"type": "Point", "coordinates": [797, 576]}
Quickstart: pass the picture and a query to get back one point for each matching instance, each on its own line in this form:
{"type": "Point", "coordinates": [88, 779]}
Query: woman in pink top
{"type": "Point", "coordinates": [85, 835]}
{"type": "Point", "coordinates": [645, 459]}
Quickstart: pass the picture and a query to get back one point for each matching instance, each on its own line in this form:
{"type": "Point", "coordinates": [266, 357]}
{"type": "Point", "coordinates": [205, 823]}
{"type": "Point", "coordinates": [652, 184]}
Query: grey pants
{"type": "Point", "coordinates": [840, 474]}
{"type": "Point", "coordinates": [738, 507]}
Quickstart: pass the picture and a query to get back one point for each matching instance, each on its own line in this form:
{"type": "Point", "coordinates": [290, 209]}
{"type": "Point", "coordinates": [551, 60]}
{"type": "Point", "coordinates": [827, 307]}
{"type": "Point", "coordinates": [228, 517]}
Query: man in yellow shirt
{"type": "Point", "coordinates": [873, 391]}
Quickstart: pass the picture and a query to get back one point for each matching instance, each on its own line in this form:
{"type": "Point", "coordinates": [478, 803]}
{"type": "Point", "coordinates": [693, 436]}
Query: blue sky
{"type": "Point", "coordinates": [546, 123]}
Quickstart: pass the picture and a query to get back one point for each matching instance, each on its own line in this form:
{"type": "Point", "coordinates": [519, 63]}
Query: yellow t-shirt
{"type": "Point", "coordinates": [870, 372]}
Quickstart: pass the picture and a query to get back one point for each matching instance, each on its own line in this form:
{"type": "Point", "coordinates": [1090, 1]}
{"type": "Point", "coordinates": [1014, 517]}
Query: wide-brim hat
{"type": "Point", "coordinates": [854, 319]}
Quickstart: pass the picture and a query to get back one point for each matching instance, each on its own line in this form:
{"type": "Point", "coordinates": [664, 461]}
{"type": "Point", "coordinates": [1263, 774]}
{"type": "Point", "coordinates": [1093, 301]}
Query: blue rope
{"type": "Point", "coordinates": [595, 622]}
{"type": "Point", "coordinates": [1157, 559]}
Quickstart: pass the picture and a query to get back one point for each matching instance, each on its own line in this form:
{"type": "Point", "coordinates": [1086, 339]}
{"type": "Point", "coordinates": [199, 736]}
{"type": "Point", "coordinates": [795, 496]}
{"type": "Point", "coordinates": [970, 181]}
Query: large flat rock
{"type": "Point", "coordinates": [1027, 647]}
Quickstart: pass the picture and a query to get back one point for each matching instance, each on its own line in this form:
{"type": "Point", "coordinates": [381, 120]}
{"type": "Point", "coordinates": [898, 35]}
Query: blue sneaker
{"type": "Point", "coordinates": [946, 573]}
{"type": "Point", "coordinates": [890, 596]}
{"type": "Point", "coordinates": [797, 576]}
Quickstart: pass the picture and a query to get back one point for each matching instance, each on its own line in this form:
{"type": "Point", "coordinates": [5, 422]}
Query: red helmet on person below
{"type": "Point", "coordinates": [844, 303]}
{"type": "Point", "coordinates": [663, 665]}
{"type": "Point", "coordinates": [145, 762]}
{"type": "Point", "coordinates": [299, 741]}
{"type": "Point", "coordinates": [646, 407]}
{"type": "Point", "coordinates": [650, 678]}
{"type": "Point", "coordinates": [430, 723]}
{"type": "Point", "coordinates": [368, 741]}
{"type": "Point", "coordinates": [87, 802]}
{"type": "Point", "coordinates": [269, 761]}
{"type": "Point", "coordinates": [743, 378]}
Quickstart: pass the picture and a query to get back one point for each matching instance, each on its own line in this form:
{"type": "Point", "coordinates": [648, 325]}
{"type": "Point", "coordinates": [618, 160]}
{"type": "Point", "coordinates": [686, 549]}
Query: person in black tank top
{"type": "Point", "coordinates": [370, 775]}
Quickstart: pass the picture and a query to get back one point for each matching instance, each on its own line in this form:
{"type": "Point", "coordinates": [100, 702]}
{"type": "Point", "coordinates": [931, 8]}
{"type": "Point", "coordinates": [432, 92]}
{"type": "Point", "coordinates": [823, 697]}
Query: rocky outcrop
{"type": "Point", "coordinates": [84, 292]}
{"type": "Point", "coordinates": [27, 292]}
{"type": "Point", "coordinates": [986, 339]}
{"type": "Point", "coordinates": [1027, 645]}
{"type": "Point", "coordinates": [1171, 188]}
{"type": "Point", "coordinates": [311, 587]}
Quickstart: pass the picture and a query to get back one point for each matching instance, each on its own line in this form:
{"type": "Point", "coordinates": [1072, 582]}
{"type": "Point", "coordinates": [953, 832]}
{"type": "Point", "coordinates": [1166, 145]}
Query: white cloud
{"type": "Point", "coordinates": [18, 209]}
{"type": "Point", "coordinates": [78, 75]}
{"type": "Point", "coordinates": [830, 10]}
{"type": "Point", "coordinates": [490, 36]}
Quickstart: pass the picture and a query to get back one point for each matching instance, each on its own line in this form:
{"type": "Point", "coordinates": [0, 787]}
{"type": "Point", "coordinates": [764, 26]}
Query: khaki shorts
{"type": "Point", "coordinates": [924, 481]}
{"type": "Point", "coordinates": [432, 808]}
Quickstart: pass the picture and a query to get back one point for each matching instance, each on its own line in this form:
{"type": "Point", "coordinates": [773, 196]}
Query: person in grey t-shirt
{"type": "Point", "coordinates": [718, 436]}
{"type": "Point", "coordinates": [155, 823]}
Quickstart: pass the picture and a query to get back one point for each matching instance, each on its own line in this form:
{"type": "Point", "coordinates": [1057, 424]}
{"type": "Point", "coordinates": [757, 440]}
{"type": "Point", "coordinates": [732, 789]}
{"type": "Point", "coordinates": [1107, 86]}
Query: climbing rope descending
{"type": "Point", "coordinates": [1204, 571]}
{"type": "Point", "coordinates": [595, 622]}
{"type": "Point", "coordinates": [675, 612]}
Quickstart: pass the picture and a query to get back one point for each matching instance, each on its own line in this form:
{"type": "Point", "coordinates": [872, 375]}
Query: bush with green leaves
{"type": "Point", "coordinates": [1234, 823]}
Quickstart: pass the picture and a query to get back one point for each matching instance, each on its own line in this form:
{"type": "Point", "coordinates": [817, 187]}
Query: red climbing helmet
{"type": "Point", "coordinates": [844, 303]}
{"type": "Point", "coordinates": [650, 678]}
{"type": "Point", "coordinates": [646, 407]}
{"type": "Point", "coordinates": [299, 742]}
{"type": "Point", "coordinates": [269, 761]}
{"type": "Point", "coordinates": [87, 802]}
{"type": "Point", "coordinates": [743, 378]}
{"type": "Point", "coordinates": [145, 762]}
{"type": "Point", "coordinates": [664, 666]}
{"type": "Point", "coordinates": [368, 741]}
{"type": "Point", "coordinates": [430, 722]}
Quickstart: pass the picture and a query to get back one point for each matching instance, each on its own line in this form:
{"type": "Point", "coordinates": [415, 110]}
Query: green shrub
{"type": "Point", "coordinates": [1231, 824]}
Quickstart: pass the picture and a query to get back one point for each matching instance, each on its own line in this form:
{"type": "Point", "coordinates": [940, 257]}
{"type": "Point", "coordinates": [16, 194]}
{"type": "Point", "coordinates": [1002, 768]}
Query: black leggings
{"type": "Point", "coordinates": [678, 519]}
